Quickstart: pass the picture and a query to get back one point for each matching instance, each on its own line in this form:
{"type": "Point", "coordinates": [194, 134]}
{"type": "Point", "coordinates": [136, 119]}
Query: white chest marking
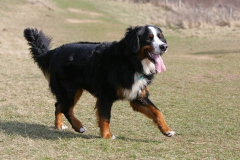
{"type": "Point", "coordinates": [139, 84]}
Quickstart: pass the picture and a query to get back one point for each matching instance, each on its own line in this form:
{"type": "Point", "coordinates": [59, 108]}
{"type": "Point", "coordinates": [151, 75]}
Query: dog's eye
{"type": "Point", "coordinates": [160, 35]}
{"type": "Point", "coordinates": [151, 36]}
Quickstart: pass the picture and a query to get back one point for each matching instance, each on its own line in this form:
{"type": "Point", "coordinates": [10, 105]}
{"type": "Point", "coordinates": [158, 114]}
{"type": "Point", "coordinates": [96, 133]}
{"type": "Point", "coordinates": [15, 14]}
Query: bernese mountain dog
{"type": "Point", "coordinates": [110, 71]}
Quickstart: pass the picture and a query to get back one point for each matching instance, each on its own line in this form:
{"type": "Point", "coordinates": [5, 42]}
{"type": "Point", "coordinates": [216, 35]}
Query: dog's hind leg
{"type": "Point", "coordinates": [58, 117]}
{"type": "Point", "coordinates": [67, 110]}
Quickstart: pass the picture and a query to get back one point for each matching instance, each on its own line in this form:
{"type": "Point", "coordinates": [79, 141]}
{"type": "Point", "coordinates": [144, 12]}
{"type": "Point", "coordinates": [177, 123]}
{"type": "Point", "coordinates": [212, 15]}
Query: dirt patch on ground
{"type": "Point", "coordinates": [75, 21]}
{"type": "Point", "coordinates": [79, 11]}
{"type": "Point", "coordinates": [89, 13]}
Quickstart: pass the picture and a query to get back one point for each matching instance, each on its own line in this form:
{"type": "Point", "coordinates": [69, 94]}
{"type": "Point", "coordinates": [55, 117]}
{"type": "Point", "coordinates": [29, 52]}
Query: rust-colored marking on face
{"type": "Point", "coordinates": [141, 53]}
{"type": "Point", "coordinates": [160, 35]}
{"type": "Point", "coordinates": [151, 36]}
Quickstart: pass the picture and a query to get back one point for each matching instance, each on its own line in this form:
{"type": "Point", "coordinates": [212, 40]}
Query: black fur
{"type": "Point", "coordinates": [99, 68]}
{"type": "Point", "coordinates": [40, 45]}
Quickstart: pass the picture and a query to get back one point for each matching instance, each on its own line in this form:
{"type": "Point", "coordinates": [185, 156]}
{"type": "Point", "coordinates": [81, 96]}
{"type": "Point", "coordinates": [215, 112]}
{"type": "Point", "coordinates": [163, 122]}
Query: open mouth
{"type": "Point", "coordinates": [157, 60]}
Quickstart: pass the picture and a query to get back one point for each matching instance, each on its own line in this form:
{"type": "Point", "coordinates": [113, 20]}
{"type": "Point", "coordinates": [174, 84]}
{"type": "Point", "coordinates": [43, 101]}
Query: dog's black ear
{"type": "Point", "coordinates": [132, 40]}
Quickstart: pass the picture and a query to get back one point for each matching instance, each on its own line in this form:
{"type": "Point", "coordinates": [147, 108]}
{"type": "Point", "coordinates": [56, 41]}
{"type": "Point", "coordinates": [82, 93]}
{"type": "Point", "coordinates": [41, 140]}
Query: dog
{"type": "Point", "coordinates": [110, 71]}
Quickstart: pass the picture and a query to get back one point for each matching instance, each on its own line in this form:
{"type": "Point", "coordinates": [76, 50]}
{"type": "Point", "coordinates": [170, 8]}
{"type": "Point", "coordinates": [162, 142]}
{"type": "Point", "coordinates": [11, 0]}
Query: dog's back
{"type": "Point", "coordinates": [63, 57]}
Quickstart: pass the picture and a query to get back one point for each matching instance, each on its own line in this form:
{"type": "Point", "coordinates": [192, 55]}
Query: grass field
{"type": "Point", "coordinates": [199, 93]}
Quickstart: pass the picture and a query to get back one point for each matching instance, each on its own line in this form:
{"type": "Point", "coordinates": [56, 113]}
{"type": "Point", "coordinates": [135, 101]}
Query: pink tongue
{"type": "Point", "coordinates": [160, 67]}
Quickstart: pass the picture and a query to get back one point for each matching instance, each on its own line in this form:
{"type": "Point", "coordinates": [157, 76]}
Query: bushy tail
{"type": "Point", "coordinates": [39, 46]}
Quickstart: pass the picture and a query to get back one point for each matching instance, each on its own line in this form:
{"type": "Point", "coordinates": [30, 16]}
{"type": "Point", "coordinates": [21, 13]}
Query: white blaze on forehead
{"type": "Point", "coordinates": [156, 41]}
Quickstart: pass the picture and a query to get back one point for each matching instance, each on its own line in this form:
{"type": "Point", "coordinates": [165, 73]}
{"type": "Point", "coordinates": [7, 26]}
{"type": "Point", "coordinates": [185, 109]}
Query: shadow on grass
{"type": "Point", "coordinates": [37, 131]}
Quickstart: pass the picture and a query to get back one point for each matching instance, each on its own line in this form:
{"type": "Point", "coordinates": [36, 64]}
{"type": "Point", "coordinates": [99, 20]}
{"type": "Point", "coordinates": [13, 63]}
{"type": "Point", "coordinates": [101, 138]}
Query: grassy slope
{"type": "Point", "coordinates": [198, 94]}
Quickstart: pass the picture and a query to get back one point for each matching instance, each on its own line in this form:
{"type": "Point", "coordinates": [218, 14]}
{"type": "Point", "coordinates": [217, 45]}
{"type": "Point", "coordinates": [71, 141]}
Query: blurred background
{"type": "Point", "coordinates": [108, 19]}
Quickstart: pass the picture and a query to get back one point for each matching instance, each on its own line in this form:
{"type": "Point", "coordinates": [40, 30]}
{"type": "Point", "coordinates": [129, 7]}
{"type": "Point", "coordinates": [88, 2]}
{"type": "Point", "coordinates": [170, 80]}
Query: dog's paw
{"type": "Point", "coordinates": [108, 136]}
{"type": "Point", "coordinates": [113, 137]}
{"type": "Point", "coordinates": [170, 133]}
{"type": "Point", "coordinates": [83, 129]}
{"type": "Point", "coordinates": [64, 127]}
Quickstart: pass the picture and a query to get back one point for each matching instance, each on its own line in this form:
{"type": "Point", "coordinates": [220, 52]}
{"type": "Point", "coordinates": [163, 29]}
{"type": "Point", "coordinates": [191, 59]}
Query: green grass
{"type": "Point", "coordinates": [198, 95]}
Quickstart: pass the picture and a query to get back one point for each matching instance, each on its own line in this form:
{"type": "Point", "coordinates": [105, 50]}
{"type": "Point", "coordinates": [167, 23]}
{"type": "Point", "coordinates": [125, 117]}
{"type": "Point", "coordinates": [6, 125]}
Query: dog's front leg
{"type": "Point", "coordinates": [103, 106]}
{"type": "Point", "coordinates": [146, 107]}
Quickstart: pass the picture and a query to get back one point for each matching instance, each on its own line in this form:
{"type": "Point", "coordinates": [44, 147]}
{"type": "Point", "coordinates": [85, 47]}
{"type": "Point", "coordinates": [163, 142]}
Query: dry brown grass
{"type": "Point", "coordinates": [198, 94]}
{"type": "Point", "coordinates": [191, 14]}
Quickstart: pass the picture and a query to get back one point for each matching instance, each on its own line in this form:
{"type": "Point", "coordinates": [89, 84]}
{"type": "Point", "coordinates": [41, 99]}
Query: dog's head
{"type": "Point", "coordinates": [149, 44]}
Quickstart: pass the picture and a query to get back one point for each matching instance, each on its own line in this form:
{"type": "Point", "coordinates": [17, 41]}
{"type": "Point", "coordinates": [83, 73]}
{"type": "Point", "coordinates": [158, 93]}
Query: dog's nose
{"type": "Point", "coordinates": [163, 47]}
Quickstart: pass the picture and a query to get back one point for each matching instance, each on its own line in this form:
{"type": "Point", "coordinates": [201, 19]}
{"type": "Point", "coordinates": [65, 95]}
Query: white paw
{"type": "Point", "coordinates": [83, 129]}
{"type": "Point", "coordinates": [113, 137]}
{"type": "Point", "coordinates": [64, 126]}
{"type": "Point", "coordinates": [170, 133]}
